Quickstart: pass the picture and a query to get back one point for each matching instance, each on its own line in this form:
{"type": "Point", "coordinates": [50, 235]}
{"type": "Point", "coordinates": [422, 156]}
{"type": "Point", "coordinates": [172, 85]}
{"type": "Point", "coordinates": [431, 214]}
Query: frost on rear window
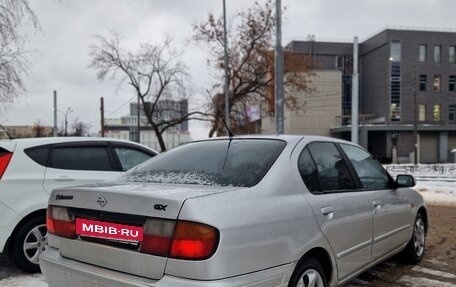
{"type": "Point", "coordinates": [237, 162]}
{"type": "Point", "coordinates": [178, 177]}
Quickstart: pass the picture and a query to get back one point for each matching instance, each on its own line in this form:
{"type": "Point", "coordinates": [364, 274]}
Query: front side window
{"type": "Point", "coordinates": [437, 53]}
{"type": "Point", "coordinates": [81, 158]}
{"type": "Point", "coordinates": [331, 166]}
{"type": "Point", "coordinates": [422, 55]}
{"type": "Point", "coordinates": [436, 113]}
{"type": "Point", "coordinates": [130, 157]}
{"type": "Point", "coordinates": [237, 162]}
{"type": "Point", "coordinates": [371, 174]}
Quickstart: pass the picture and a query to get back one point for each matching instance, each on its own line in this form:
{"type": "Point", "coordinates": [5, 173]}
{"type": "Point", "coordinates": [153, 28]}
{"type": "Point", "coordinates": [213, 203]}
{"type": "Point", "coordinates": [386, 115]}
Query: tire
{"type": "Point", "coordinates": [28, 243]}
{"type": "Point", "coordinates": [308, 273]}
{"type": "Point", "coordinates": [414, 251]}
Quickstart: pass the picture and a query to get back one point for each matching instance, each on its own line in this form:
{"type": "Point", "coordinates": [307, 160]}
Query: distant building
{"type": "Point", "coordinates": [397, 68]}
{"type": "Point", "coordinates": [26, 131]}
{"type": "Point", "coordinates": [126, 127]}
{"type": "Point", "coordinates": [318, 109]}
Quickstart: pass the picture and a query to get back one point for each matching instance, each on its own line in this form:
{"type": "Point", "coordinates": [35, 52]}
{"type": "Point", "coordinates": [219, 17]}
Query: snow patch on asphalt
{"type": "Point", "coordinates": [24, 281]}
{"type": "Point", "coordinates": [433, 272]}
{"type": "Point", "coordinates": [424, 282]}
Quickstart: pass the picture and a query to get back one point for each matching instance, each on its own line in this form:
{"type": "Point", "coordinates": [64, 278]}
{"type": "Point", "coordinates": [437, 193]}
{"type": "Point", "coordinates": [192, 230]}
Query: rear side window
{"type": "Point", "coordinates": [129, 157]}
{"type": "Point", "coordinates": [81, 158]}
{"type": "Point", "coordinates": [237, 162]}
{"type": "Point", "coordinates": [308, 171]}
{"type": "Point", "coordinates": [371, 174]}
{"type": "Point", "coordinates": [331, 166]}
{"type": "Point", "coordinates": [38, 154]}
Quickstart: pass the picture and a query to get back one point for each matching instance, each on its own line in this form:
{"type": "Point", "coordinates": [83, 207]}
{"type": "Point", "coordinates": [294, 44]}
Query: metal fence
{"type": "Point", "coordinates": [425, 172]}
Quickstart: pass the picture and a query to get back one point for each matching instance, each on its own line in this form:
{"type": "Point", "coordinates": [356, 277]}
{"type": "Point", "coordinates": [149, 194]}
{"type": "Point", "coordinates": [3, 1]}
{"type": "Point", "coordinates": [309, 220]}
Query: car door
{"type": "Point", "coordinates": [79, 163]}
{"type": "Point", "coordinates": [343, 213]}
{"type": "Point", "coordinates": [390, 207]}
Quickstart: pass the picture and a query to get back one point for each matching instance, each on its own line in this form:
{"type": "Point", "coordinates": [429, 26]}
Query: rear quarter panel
{"type": "Point", "coordinates": [261, 227]}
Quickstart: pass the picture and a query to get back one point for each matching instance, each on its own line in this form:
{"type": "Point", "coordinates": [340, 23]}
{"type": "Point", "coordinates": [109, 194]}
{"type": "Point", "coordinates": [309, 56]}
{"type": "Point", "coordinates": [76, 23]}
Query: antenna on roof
{"type": "Point", "coordinates": [230, 134]}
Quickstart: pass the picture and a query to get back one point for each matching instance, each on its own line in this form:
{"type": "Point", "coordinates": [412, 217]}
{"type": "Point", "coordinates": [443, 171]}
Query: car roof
{"type": "Point", "coordinates": [30, 142]}
{"type": "Point", "coordinates": [287, 138]}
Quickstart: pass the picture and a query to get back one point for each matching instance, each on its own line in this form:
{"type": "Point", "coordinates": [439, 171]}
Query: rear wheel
{"type": "Point", "coordinates": [414, 251]}
{"type": "Point", "coordinates": [309, 273]}
{"type": "Point", "coordinates": [28, 243]}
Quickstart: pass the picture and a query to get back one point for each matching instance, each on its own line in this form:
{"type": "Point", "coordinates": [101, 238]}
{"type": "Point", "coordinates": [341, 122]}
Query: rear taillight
{"type": "Point", "coordinates": [181, 240]}
{"type": "Point", "coordinates": [60, 222]}
{"type": "Point", "coordinates": [4, 161]}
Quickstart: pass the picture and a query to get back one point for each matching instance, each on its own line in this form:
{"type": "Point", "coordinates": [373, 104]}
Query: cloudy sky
{"type": "Point", "coordinates": [69, 26]}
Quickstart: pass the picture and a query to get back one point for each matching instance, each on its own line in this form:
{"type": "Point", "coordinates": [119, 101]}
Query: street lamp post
{"type": "Point", "coordinates": [68, 110]}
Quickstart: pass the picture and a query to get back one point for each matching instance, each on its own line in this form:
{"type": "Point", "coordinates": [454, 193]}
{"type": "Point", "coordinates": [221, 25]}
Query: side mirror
{"type": "Point", "coordinates": [405, 180]}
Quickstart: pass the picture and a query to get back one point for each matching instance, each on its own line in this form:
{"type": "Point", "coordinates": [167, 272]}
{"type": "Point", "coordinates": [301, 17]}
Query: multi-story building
{"type": "Point", "coordinates": [126, 127]}
{"type": "Point", "coordinates": [407, 81]}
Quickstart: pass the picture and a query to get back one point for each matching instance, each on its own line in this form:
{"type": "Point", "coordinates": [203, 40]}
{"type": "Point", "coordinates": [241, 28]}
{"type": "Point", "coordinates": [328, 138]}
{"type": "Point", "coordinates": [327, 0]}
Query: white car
{"type": "Point", "coordinates": [31, 168]}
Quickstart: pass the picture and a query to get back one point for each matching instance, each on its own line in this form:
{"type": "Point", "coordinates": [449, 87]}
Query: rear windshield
{"type": "Point", "coordinates": [237, 162]}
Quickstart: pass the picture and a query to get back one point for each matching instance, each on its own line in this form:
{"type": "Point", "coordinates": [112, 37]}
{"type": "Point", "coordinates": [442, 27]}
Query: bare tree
{"type": "Point", "coordinates": [13, 65]}
{"type": "Point", "coordinates": [251, 62]}
{"type": "Point", "coordinates": [155, 73]}
{"type": "Point", "coordinates": [80, 128]}
{"type": "Point", "coordinates": [38, 129]}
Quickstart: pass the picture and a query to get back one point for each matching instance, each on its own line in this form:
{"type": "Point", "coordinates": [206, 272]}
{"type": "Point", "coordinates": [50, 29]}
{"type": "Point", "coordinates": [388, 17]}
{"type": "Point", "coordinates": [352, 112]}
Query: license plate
{"type": "Point", "coordinates": [107, 230]}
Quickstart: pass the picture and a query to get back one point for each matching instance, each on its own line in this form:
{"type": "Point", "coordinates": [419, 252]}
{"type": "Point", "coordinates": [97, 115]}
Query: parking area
{"type": "Point", "coordinates": [438, 268]}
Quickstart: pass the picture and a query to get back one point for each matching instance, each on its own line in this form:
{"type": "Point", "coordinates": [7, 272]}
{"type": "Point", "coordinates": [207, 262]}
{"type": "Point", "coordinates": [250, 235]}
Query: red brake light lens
{"type": "Point", "coordinates": [60, 222]}
{"type": "Point", "coordinates": [181, 240]}
{"type": "Point", "coordinates": [4, 161]}
{"type": "Point", "coordinates": [193, 241]}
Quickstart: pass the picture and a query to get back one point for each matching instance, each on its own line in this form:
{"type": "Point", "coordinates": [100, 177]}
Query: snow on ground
{"type": "Point", "coordinates": [437, 193]}
{"type": "Point", "coordinates": [24, 281]}
{"type": "Point", "coordinates": [435, 182]}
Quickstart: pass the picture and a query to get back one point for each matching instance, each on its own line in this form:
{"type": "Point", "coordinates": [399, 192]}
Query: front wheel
{"type": "Point", "coordinates": [309, 273]}
{"type": "Point", "coordinates": [414, 251]}
{"type": "Point", "coordinates": [28, 243]}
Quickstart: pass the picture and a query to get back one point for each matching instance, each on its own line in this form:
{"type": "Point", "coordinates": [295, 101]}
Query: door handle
{"type": "Point", "coordinates": [377, 204]}
{"type": "Point", "coordinates": [328, 211]}
{"type": "Point", "coordinates": [64, 179]}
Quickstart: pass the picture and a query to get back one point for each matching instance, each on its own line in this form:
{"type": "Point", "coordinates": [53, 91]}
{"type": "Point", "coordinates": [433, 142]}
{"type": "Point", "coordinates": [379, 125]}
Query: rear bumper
{"type": "Point", "coordinates": [60, 271]}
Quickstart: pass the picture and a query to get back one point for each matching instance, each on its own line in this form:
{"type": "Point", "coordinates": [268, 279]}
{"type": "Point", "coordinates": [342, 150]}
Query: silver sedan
{"type": "Point", "coordinates": [243, 211]}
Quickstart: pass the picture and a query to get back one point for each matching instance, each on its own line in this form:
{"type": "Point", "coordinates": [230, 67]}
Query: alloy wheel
{"type": "Point", "coordinates": [419, 237]}
{"type": "Point", "coordinates": [35, 242]}
{"type": "Point", "coordinates": [310, 278]}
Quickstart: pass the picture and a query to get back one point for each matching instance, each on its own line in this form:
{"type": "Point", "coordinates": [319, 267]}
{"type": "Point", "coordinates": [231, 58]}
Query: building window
{"type": "Point", "coordinates": [437, 53]}
{"type": "Point", "coordinates": [395, 80]}
{"type": "Point", "coordinates": [452, 54]}
{"type": "Point", "coordinates": [437, 82]}
{"type": "Point", "coordinates": [452, 83]}
{"type": "Point", "coordinates": [422, 113]}
{"type": "Point", "coordinates": [395, 53]}
{"type": "Point", "coordinates": [423, 82]}
{"type": "Point", "coordinates": [436, 113]}
{"type": "Point", "coordinates": [452, 112]}
{"type": "Point", "coordinates": [422, 56]}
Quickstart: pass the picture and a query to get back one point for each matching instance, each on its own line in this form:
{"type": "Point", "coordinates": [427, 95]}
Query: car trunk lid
{"type": "Point", "coordinates": [128, 205]}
